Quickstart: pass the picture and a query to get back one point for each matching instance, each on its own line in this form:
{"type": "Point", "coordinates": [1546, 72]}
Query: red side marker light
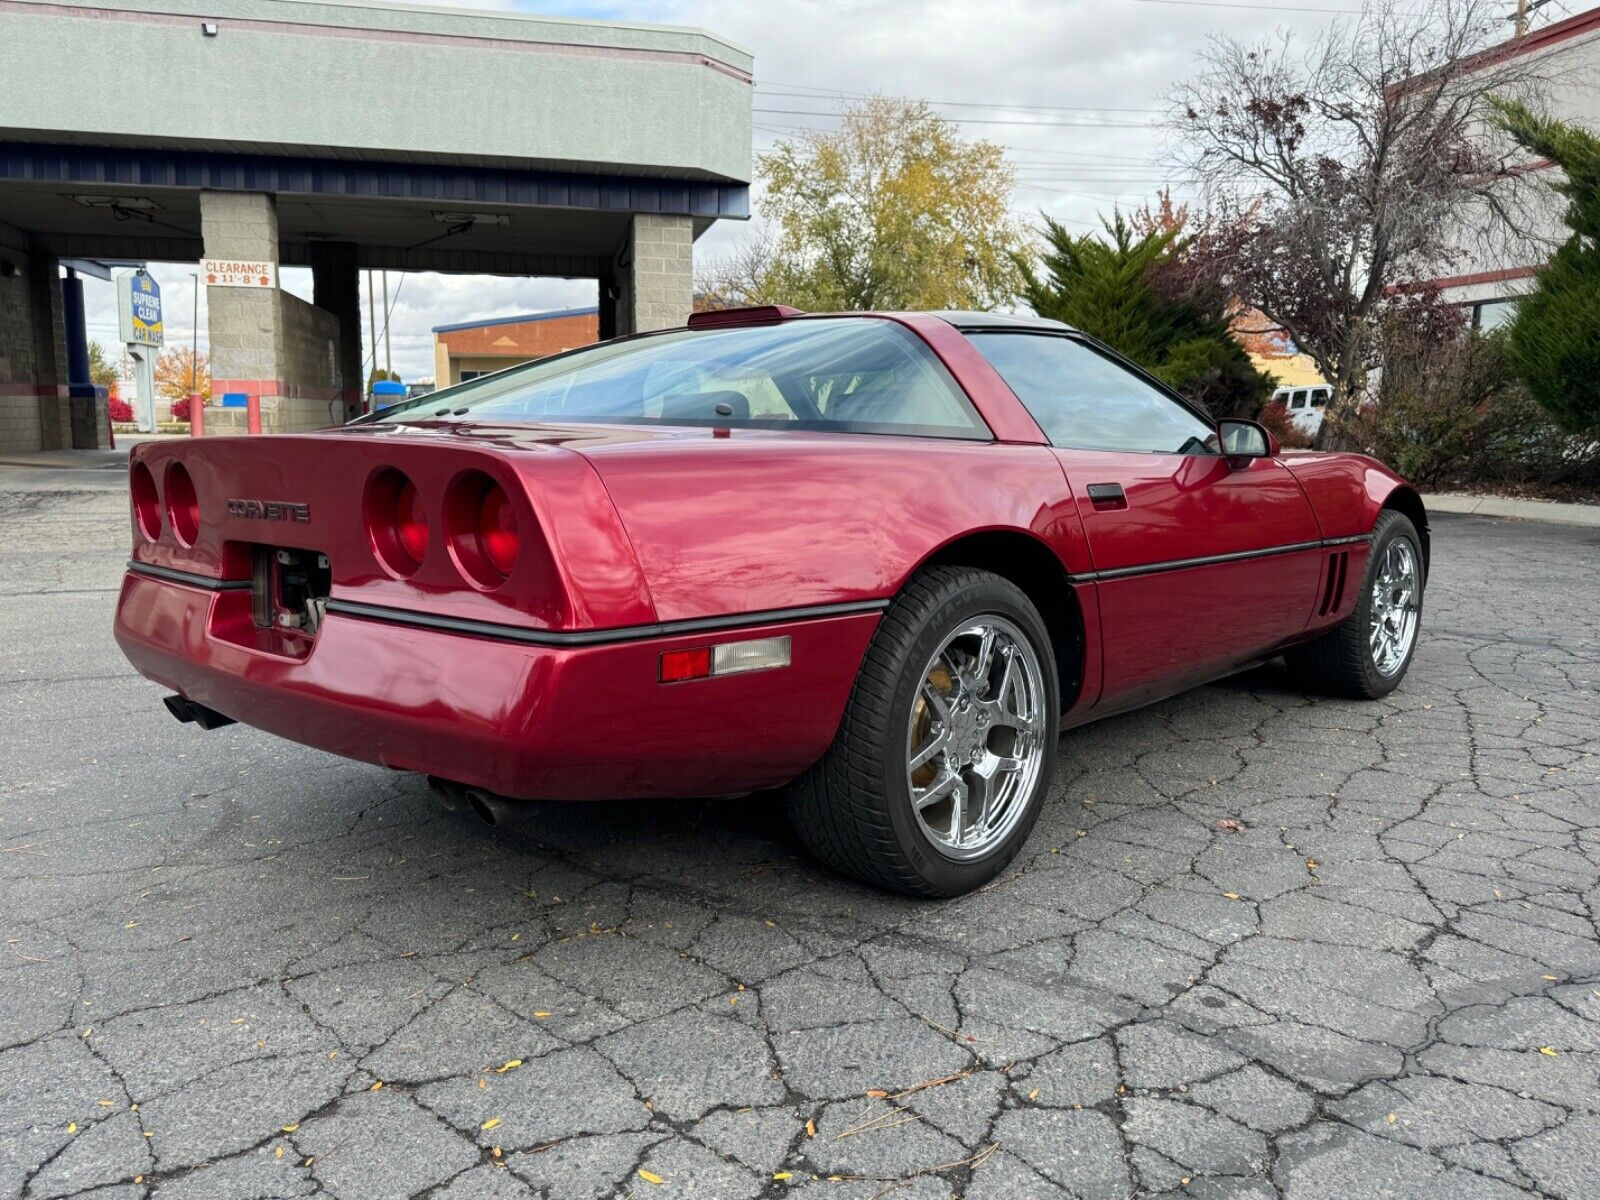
{"type": "Point", "coordinates": [728, 658]}
{"type": "Point", "coordinates": [679, 665]}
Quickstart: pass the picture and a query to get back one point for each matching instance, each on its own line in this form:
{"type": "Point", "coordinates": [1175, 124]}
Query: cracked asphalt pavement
{"type": "Point", "coordinates": [1259, 945]}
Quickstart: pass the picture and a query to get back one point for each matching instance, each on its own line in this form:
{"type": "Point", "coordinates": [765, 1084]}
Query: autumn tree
{"type": "Point", "coordinates": [1555, 339]}
{"type": "Point", "coordinates": [1349, 166]}
{"type": "Point", "coordinates": [180, 371]}
{"type": "Point", "coordinates": [101, 372]}
{"type": "Point", "coordinates": [893, 210]}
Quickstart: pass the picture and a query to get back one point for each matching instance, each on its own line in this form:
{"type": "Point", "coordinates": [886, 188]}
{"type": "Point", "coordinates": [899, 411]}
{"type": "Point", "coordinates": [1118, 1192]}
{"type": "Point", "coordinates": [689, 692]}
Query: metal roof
{"type": "Point", "coordinates": [522, 319]}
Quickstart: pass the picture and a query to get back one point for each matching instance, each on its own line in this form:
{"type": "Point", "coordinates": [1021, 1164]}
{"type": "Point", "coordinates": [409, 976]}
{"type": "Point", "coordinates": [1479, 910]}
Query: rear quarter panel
{"type": "Point", "coordinates": [756, 521]}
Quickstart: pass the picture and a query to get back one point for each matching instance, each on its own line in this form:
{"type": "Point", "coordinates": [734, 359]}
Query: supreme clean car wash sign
{"type": "Point", "coordinates": [233, 272]}
{"type": "Point", "coordinates": [139, 309]}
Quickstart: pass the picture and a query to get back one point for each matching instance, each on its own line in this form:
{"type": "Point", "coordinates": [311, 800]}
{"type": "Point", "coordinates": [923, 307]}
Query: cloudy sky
{"type": "Point", "coordinates": [1072, 88]}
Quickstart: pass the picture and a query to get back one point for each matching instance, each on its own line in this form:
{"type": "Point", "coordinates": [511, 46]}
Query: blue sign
{"type": "Point", "coordinates": [139, 309]}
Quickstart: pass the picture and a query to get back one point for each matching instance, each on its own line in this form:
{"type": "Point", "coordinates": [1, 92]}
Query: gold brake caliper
{"type": "Point", "coordinates": [944, 683]}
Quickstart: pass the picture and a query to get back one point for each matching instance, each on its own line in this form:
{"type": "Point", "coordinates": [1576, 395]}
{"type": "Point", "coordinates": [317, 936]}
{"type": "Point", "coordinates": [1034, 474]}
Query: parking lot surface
{"type": "Point", "coordinates": [1259, 944]}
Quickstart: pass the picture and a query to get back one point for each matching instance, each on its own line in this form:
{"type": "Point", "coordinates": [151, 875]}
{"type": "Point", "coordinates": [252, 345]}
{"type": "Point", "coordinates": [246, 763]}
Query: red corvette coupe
{"type": "Point", "coordinates": [883, 559]}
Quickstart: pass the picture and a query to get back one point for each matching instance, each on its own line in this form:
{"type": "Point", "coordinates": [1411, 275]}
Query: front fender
{"type": "Point", "coordinates": [1348, 491]}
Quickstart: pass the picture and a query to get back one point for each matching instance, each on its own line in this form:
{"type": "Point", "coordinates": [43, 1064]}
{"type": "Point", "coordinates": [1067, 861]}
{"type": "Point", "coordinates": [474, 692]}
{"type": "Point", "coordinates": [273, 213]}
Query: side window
{"type": "Point", "coordinates": [1299, 399]}
{"type": "Point", "coordinates": [1085, 401]}
{"type": "Point", "coordinates": [1319, 398]}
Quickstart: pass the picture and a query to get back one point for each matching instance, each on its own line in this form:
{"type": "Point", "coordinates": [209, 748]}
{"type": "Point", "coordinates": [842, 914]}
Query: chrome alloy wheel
{"type": "Point", "coordinates": [1395, 602]}
{"type": "Point", "coordinates": [976, 742]}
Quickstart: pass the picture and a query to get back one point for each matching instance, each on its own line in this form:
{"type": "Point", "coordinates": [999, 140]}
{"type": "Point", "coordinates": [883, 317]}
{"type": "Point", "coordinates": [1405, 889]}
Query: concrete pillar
{"type": "Point", "coordinates": [241, 323]}
{"type": "Point", "coordinates": [34, 412]}
{"type": "Point", "coordinates": [336, 289]}
{"type": "Point", "coordinates": [655, 277]}
{"type": "Point", "coordinates": [264, 341]}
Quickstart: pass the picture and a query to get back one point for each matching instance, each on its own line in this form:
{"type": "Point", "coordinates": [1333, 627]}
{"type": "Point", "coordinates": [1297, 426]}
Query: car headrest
{"type": "Point", "coordinates": [877, 404]}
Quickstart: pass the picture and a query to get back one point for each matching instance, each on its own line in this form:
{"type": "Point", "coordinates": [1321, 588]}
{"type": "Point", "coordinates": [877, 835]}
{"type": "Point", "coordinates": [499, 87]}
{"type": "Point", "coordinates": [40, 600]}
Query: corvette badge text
{"type": "Point", "coordinates": [270, 510]}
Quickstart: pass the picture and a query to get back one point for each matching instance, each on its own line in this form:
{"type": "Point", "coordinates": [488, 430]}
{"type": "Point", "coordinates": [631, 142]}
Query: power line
{"type": "Point", "coordinates": [1349, 12]}
{"type": "Point", "coordinates": [802, 112]}
{"type": "Point", "coordinates": [794, 90]}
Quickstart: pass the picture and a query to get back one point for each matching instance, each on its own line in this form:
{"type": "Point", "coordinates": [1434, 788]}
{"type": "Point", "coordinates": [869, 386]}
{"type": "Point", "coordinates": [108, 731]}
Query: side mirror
{"type": "Point", "coordinates": [1246, 439]}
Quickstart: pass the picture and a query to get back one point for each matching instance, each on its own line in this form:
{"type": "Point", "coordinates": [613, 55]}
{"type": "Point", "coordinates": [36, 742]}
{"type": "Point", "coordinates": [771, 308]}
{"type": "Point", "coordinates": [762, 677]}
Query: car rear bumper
{"type": "Point", "coordinates": [535, 721]}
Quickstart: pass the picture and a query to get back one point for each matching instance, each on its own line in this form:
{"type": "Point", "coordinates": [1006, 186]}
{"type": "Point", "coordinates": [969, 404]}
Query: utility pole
{"type": "Point", "coordinates": [1526, 8]}
{"type": "Point", "coordinates": [194, 347]}
{"type": "Point", "coordinates": [372, 325]}
{"type": "Point", "coordinates": [388, 362]}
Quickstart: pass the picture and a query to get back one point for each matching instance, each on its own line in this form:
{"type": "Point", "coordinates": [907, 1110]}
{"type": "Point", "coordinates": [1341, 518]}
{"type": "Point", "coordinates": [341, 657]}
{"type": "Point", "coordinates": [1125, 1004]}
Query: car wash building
{"type": "Point", "coordinates": [249, 135]}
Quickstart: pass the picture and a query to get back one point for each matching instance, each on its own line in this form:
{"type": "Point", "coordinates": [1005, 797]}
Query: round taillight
{"type": "Point", "coordinates": [410, 522]}
{"type": "Point", "coordinates": [146, 504]}
{"type": "Point", "coordinates": [497, 530]}
{"type": "Point", "coordinates": [397, 523]}
{"type": "Point", "coordinates": [183, 506]}
{"type": "Point", "coordinates": [484, 539]}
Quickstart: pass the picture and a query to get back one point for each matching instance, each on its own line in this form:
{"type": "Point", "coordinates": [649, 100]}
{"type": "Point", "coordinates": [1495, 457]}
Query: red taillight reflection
{"type": "Point", "coordinates": [146, 504]}
{"type": "Point", "coordinates": [497, 530]}
{"type": "Point", "coordinates": [481, 529]}
{"type": "Point", "coordinates": [397, 522]}
{"type": "Point", "coordinates": [410, 522]}
{"type": "Point", "coordinates": [183, 506]}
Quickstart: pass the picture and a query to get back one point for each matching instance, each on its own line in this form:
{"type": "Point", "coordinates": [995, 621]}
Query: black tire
{"type": "Point", "coordinates": [853, 809]}
{"type": "Point", "coordinates": [1341, 662]}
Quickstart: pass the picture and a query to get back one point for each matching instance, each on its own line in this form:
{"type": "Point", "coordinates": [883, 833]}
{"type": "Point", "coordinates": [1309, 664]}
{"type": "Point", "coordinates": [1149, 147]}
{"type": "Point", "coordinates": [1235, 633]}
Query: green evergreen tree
{"type": "Point", "coordinates": [1132, 289]}
{"type": "Point", "coordinates": [1555, 338]}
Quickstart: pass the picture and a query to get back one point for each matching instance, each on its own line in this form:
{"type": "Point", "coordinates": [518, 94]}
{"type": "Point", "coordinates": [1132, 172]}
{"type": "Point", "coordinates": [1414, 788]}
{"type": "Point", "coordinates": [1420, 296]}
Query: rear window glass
{"type": "Point", "coordinates": [848, 374]}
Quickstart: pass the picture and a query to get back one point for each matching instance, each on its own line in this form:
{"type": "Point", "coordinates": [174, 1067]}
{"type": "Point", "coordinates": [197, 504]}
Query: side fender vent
{"type": "Point", "coordinates": [1333, 589]}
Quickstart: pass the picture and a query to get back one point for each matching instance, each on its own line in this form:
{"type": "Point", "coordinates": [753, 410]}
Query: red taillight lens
{"type": "Point", "coordinates": [146, 504]}
{"type": "Point", "coordinates": [183, 506]}
{"type": "Point", "coordinates": [497, 530]}
{"type": "Point", "coordinates": [482, 529]}
{"type": "Point", "coordinates": [397, 521]}
{"type": "Point", "coordinates": [410, 522]}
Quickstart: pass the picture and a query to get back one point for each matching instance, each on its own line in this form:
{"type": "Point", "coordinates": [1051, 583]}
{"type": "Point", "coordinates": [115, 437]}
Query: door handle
{"type": "Point", "coordinates": [1107, 495]}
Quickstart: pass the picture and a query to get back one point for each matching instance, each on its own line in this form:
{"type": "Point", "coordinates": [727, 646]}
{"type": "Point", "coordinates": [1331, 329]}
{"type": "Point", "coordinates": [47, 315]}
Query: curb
{"type": "Point", "coordinates": [1510, 506]}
